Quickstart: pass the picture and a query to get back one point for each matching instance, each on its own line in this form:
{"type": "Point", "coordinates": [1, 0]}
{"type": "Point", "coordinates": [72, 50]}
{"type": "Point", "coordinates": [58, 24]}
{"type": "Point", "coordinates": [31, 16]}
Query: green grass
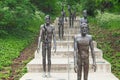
{"type": "Point", "coordinates": [106, 31]}
{"type": "Point", "coordinates": [108, 20]}
{"type": "Point", "coordinates": [14, 41]}
{"type": "Point", "coordinates": [11, 46]}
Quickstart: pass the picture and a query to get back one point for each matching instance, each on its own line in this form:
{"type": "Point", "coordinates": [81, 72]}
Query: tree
{"type": "Point", "coordinates": [15, 14]}
{"type": "Point", "coordinates": [47, 6]}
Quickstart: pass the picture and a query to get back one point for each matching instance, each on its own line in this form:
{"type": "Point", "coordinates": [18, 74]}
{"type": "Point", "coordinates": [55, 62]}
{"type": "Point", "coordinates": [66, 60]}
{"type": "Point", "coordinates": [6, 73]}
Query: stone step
{"type": "Point", "coordinates": [65, 44]}
{"type": "Point", "coordinates": [77, 20]}
{"type": "Point", "coordinates": [61, 65]}
{"type": "Point", "coordinates": [64, 52]}
{"type": "Point", "coordinates": [70, 32]}
{"type": "Point", "coordinates": [66, 25]}
{"type": "Point", "coordinates": [69, 29]}
{"type": "Point", "coordinates": [66, 37]}
{"type": "Point", "coordinates": [72, 76]}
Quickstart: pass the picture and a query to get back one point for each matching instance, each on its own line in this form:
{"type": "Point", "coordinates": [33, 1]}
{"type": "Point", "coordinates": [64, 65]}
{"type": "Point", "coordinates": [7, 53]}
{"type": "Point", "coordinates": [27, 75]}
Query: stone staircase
{"type": "Point", "coordinates": [62, 67]}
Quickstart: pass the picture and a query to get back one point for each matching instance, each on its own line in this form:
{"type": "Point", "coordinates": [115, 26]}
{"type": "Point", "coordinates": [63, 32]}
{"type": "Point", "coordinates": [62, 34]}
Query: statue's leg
{"type": "Point", "coordinates": [86, 69]}
{"type": "Point", "coordinates": [44, 57]}
{"type": "Point", "coordinates": [79, 70]}
{"type": "Point", "coordinates": [72, 22]}
{"type": "Point", "coordinates": [49, 58]}
{"type": "Point", "coordinates": [59, 31]}
{"type": "Point", "coordinates": [69, 21]}
{"type": "Point", "coordinates": [62, 31]}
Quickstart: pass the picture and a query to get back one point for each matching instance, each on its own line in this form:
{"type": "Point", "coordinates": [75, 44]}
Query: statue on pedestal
{"type": "Point", "coordinates": [82, 42]}
{"type": "Point", "coordinates": [46, 35]}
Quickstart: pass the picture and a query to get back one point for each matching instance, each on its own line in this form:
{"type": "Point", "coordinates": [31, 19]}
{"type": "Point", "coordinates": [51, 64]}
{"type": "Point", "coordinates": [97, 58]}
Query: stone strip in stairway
{"type": "Point", "coordinates": [61, 65]}
{"type": "Point", "coordinates": [72, 76]}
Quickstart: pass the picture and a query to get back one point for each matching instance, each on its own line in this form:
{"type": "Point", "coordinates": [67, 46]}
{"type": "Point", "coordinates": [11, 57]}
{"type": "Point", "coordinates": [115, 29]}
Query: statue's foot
{"type": "Point", "coordinates": [44, 75]}
{"type": "Point", "coordinates": [48, 76]}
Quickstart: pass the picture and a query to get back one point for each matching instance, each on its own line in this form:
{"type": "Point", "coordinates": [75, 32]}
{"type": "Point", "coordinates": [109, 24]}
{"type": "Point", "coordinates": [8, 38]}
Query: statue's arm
{"type": "Point", "coordinates": [75, 49]}
{"type": "Point", "coordinates": [93, 53]}
{"type": "Point", "coordinates": [39, 39]}
{"type": "Point", "coordinates": [75, 54]}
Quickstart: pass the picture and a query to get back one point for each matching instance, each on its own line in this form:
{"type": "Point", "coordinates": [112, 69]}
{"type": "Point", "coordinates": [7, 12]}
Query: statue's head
{"type": "Point", "coordinates": [85, 13]}
{"type": "Point", "coordinates": [84, 28]}
{"type": "Point", "coordinates": [47, 19]}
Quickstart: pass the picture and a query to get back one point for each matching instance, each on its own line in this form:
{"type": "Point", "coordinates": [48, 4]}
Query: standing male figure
{"type": "Point", "coordinates": [84, 19]}
{"type": "Point", "coordinates": [70, 16]}
{"type": "Point", "coordinates": [46, 35]}
{"type": "Point", "coordinates": [73, 17]}
{"type": "Point", "coordinates": [60, 27]}
{"type": "Point", "coordinates": [82, 43]}
{"type": "Point", "coordinates": [63, 16]}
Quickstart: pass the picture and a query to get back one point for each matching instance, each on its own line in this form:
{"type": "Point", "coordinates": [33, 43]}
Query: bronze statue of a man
{"type": "Point", "coordinates": [70, 16]}
{"type": "Point", "coordinates": [46, 35]}
{"type": "Point", "coordinates": [84, 19]}
{"type": "Point", "coordinates": [82, 42]}
{"type": "Point", "coordinates": [61, 22]}
{"type": "Point", "coordinates": [73, 17]}
{"type": "Point", "coordinates": [60, 27]}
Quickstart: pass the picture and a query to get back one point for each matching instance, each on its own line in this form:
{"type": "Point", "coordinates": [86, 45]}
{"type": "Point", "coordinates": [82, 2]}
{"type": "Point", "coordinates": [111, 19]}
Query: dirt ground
{"type": "Point", "coordinates": [18, 63]}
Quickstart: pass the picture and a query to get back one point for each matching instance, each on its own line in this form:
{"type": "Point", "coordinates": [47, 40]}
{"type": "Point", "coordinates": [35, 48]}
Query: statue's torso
{"type": "Point", "coordinates": [60, 21]}
{"type": "Point", "coordinates": [63, 16]}
{"type": "Point", "coordinates": [83, 47]}
{"type": "Point", "coordinates": [47, 32]}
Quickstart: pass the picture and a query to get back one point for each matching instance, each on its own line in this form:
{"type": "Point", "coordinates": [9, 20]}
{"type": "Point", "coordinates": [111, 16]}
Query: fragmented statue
{"type": "Point", "coordinates": [82, 42]}
{"type": "Point", "coordinates": [46, 35]}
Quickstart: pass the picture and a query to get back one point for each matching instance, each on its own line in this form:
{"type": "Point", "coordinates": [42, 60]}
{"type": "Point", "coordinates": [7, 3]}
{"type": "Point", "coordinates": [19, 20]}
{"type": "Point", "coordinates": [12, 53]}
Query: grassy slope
{"type": "Point", "coordinates": [107, 35]}
{"type": "Point", "coordinates": [11, 46]}
{"type": "Point", "coordinates": [13, 43]}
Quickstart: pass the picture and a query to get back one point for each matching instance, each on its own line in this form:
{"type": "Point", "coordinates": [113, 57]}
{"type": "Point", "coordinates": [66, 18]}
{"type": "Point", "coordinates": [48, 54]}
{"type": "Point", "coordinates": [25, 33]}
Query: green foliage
{"type": "Point", "coordinates": [109, 5]}
{"type": "Point", "coordinates": [11, 46]}
{"type": "Point", "coordinates": [103, 5]}
{"type": "Point", "coordinates": [90, 6]}
{"type": "Point", "coordinates": [108, 38]}
{"type": "Point", "coordinates": [109, 21]}
{"type": "Point", "coordinates": [15, 14]}
{"type": "Point", "coordinates": [71, 2]}
{"type": "Point", "coordinates": [19, 25]}
{"type": "Point", "coordinates": [46, 6]}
